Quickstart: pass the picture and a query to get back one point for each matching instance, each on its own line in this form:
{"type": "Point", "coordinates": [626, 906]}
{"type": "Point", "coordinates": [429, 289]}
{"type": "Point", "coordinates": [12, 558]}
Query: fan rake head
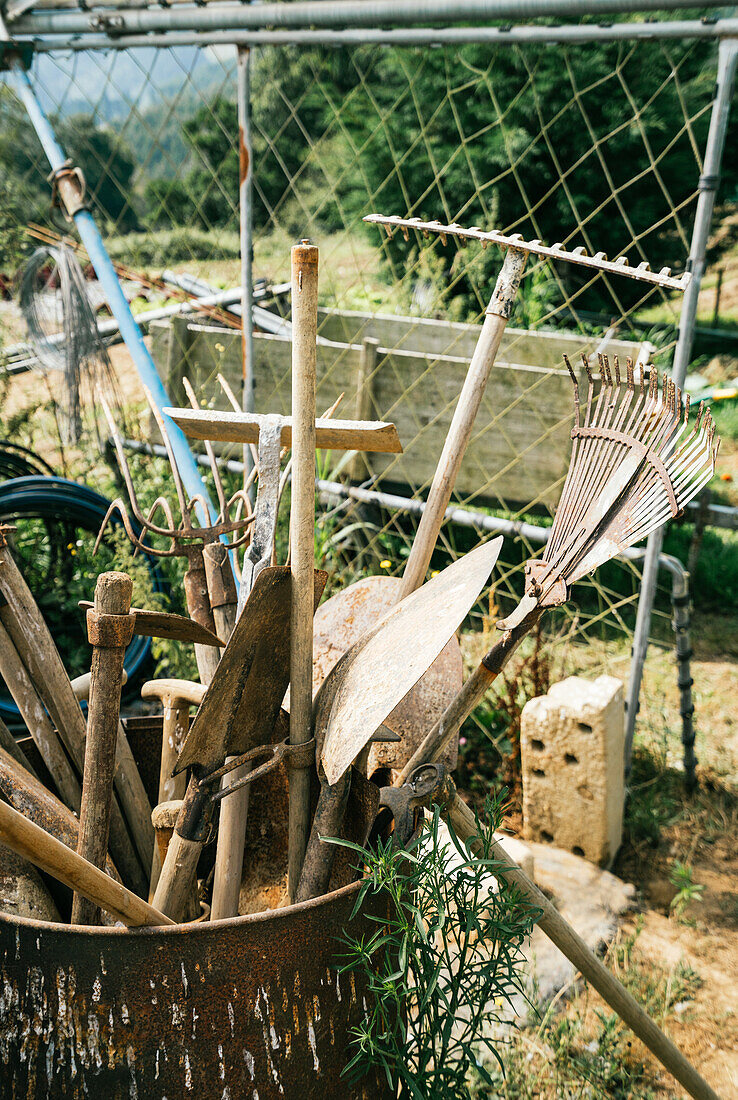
{"type": "Point", "coordinates": [234, 515]}
{"type": "Point", "coordinates": [635, 464]}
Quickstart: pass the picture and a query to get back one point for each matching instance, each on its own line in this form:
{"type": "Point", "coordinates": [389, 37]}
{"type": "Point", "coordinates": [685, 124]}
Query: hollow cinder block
{"type": "Point", "coordinates": [572, 744]}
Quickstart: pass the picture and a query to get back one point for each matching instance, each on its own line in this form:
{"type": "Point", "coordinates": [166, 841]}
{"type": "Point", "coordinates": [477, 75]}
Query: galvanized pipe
{"type": "Point", "coordinates": [708, 184]}
{"type": "Point", "coordinates": [326, 13]}
{"type": "Point", "coordinates": [411, 36]}
{"type": "Point", "coordinates": [131, 333]}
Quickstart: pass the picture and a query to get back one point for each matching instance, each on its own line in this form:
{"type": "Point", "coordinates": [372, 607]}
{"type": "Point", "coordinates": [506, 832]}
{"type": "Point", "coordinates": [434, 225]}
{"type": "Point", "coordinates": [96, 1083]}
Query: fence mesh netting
{"type": "Point", "coordinates": [596, 145]}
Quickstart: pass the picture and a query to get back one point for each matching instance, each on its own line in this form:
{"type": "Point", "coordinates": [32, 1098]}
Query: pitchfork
{"type": "Point", "coordinates": [186, 539]}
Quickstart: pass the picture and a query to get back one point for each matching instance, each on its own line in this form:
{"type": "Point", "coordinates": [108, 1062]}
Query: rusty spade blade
{"type": "Point", "coordinates": [165, 624]}
{"type": "Point", "coordinates": [371, 679]}
{"type": "Point", "coordinates": [241, 705]}
{"type": "Point", "coordinates": [368, 682]}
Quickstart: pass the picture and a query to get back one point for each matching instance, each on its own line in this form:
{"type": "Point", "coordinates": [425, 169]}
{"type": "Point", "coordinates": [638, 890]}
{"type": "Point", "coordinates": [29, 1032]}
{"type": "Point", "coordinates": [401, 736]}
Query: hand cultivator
{"type": "Point", "coordinates": [635, 463]}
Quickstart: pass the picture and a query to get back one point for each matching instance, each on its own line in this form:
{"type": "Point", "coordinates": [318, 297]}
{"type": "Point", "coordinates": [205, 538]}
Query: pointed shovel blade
{"type": "Point", "coordinates": [241, 705]}
{"type": "Point", "coordinates": [378, 671]}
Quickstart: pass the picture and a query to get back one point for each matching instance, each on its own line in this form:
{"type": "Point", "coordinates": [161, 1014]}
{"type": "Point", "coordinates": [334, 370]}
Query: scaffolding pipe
{"type": "Point", "coordinates": [116, 299]}
{"type": "Point", "coordinates": [414, 36]}
{"type": "Point", "coordinates": [708, 185]}
{"type": "Point", "coordinates": [324, 13]}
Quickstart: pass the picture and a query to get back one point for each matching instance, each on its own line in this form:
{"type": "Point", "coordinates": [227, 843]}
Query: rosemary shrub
{"type": "Point", "coordinates": [440, 966]}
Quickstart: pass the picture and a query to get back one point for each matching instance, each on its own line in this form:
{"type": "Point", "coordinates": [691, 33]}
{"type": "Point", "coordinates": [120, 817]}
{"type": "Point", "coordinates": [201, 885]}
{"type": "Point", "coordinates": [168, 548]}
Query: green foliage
{"type": "Point", "coordinates": [688, 890]}
{"type": "Point", "coordinates": [441, 964]}
{"type": "Point", "coordinates": [108, 163]}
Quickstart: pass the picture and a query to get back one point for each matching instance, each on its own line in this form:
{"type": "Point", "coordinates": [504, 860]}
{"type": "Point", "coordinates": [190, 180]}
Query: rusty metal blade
{"type": "Point", "coordinates": [341, 621]}
{"type": "Point", "coordinates": [376, 673]}
{"type": "Point", "coordinates": [165, 624]}
{"type": "Point", "coordinates": [241, 705]}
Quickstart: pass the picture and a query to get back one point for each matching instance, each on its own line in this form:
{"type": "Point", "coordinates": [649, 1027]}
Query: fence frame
{"type": "Point", "coordinates": [340, 22]}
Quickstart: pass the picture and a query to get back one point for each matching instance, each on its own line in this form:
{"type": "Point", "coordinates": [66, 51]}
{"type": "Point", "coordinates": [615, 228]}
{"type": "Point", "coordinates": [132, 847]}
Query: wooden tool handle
{"type": "Point", "coordinates": [174, 890]}
{"type": "Point", "coordinates": [35, 646]}
{"type": "Point", "coordinates": [437, 740]}
{"type": "Point", "coordinates": [465, 414]}
{"type": "Point", "coordinates": [302, 540]}
{"type": "Point", "coordinates": [53, 857]}
{"type": "Point", "coordinates": [234, 809]}
{"type": "Point", "coordinates": [111, 614]}
{"type": "Point", "coordinates": [127, 780]}
{"type": "Point", "coordinates": [560, 932]}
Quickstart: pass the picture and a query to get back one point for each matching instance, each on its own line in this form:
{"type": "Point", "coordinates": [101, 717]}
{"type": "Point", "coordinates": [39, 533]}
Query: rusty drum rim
{"type": "Point", "coordinates": [193, 928]}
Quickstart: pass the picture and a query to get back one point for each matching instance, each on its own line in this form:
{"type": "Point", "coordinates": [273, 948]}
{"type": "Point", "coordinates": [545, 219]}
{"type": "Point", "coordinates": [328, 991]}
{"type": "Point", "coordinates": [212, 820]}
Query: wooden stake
{"type": "Point", "coordinates": [50, 855]}
{"type": "Point", "coordinates": [302, 540]}
{"type": "Point", "coordinates": [110, 627]}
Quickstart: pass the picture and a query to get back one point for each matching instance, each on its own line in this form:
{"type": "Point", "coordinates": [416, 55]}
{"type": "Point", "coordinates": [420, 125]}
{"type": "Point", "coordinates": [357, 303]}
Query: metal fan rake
{"type": "Point", "coordinates": [634, 465]}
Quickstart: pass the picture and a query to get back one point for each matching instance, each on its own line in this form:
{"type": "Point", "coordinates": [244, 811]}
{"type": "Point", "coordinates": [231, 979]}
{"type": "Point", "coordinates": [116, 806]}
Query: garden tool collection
{"type": "Point", "coordinates": [304, 434]}
{"type": "Point", "coordinates": [633, 464]}
{"type": "Point", "coordinates": [337, 620]}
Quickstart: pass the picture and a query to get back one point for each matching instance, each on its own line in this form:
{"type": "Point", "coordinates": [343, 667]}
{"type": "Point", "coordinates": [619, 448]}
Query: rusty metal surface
{"type": "Point", "coordinates": [341, 621]}
{"type": "Point", "coordinates": [250, 1006]}
{"type": "Point", "coordinates": [242, 704]}
{"type": "Point", "coordinates": [368, 682]}
{"type": "Point", "coordinates": [150, 624]}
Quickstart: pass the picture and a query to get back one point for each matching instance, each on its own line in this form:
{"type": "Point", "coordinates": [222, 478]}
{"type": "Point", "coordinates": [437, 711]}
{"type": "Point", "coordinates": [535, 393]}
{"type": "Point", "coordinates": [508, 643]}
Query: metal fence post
{"type": "Point", "coordinates": [246, 222]}
{"type": "Point", "coordinates": [708, 184]}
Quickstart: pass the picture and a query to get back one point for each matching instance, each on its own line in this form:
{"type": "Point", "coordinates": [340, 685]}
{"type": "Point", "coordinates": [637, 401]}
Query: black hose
{"type": "Point", "coordinates": [65, 508]}
{"type": "Point", "coordinates": [17, 461]}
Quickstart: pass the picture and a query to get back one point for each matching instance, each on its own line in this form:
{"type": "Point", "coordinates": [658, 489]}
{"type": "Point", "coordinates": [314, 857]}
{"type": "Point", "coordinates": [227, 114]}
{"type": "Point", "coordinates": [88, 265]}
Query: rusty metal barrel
{"type": "Point", "coordinates": [246, 1007]}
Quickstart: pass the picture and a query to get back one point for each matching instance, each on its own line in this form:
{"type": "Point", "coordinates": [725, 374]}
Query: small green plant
{"type": "Point", "coordinates": [440, 966]}
{"type": "Point", "coordinates": [688, 890]}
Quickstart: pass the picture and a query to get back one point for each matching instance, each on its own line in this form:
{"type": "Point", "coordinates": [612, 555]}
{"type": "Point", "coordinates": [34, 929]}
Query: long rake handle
{"type": "Point", "coordinates": [34, 844]}
{"type": "Point", "coordinates": [561, 933]}
{"type": "Point", "coordinates": [302, 541]}
{"type": "Point", "coordinates": [113, 601]}
{"type": "Point", "coordinates": [459, 433]}
{"type": "Point", "coordinates": [558, 930]}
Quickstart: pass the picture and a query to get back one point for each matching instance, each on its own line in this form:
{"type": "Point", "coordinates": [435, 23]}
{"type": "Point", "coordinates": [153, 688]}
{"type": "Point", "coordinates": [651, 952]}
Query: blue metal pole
{"type": "Point", "coordinates": [129, 330]}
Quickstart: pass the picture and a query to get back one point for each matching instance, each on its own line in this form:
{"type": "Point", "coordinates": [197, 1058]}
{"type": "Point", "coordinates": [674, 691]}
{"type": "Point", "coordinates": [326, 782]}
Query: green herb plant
{"type": "Point", "coordinates": [441, 962]}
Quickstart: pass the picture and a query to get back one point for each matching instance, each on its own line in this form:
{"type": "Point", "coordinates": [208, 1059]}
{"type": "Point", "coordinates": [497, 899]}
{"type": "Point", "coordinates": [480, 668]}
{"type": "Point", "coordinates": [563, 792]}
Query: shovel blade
{"type": "Point", "coordinates": [378, 671]}
{"type": "Point", "coordinates": [241, 705]}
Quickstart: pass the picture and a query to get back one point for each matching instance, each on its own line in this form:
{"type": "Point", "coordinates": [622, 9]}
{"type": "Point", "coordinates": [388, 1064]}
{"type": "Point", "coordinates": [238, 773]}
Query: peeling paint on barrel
{"type": "Point", "coordinates": [245, 1007]}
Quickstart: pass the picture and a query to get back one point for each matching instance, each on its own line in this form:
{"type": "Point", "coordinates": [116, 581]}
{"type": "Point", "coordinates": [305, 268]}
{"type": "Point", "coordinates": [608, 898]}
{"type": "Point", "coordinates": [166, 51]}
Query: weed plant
{"type": "Point", "coordinates": [441, 964]}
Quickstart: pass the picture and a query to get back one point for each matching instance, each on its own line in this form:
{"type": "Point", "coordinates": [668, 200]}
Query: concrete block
{"type": "Point", "coordinates": [572, 745]}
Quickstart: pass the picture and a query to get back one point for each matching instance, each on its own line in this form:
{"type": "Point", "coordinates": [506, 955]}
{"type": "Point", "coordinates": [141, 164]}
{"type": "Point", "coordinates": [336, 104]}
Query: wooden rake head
{"type": "Point", "coordinates": [234, 515]}
{"type": "Point", "coordinates": [635, 464]}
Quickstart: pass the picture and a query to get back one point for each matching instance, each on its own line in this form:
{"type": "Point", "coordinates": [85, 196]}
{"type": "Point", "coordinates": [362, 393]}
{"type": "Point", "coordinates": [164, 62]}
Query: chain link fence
{"type": "Point", "coordinates": [597, 145]}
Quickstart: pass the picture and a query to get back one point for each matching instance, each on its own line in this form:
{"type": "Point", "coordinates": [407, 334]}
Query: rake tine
{"type": "Point", "coordinates": [617, 372]}
{"type": "Point", "coordinates": [209, 450]}
{"type": "Point", "coordinates": [179, 487]}
{"type": "Point", "coordinates": [167, 532]}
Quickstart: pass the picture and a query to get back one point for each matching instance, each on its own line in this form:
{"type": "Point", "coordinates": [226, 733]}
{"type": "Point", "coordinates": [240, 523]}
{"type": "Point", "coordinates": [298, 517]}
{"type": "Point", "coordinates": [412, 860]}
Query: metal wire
{"type": "Point", "coordinates": [53, 298]}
